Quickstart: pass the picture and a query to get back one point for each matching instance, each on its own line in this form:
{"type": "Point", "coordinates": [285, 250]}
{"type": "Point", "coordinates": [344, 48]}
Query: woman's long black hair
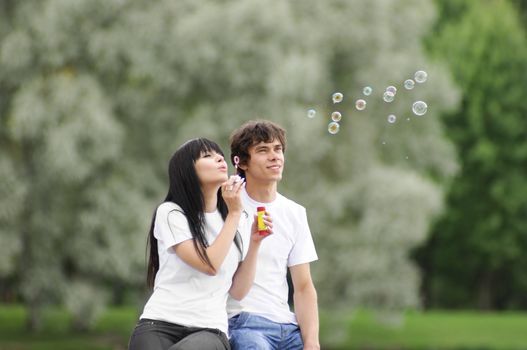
{"type": "Point", "coordinates": [185, 190]}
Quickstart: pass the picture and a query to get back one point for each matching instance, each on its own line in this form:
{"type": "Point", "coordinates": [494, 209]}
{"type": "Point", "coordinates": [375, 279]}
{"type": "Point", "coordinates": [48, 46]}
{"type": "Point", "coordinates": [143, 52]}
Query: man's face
{"type": "Point", "coordinates": [266, 162]}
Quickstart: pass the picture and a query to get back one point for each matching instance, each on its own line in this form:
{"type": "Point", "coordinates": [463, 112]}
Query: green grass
{"type": "Point", "coordinates": [437, 330]}
{"type": "Point", "coordinates": [444, 330]}
{"type": "Point", "coordinates": [110, 333]}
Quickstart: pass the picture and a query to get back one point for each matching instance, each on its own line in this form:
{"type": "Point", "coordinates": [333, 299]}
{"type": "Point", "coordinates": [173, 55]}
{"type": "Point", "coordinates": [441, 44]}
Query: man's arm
{"type": "Point", "coordinates": [306, 309]}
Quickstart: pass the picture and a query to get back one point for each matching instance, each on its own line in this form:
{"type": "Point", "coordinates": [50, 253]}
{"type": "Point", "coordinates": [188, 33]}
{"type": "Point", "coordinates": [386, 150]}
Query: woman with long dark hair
{"type": "Point", "coordinates": [197, 254]}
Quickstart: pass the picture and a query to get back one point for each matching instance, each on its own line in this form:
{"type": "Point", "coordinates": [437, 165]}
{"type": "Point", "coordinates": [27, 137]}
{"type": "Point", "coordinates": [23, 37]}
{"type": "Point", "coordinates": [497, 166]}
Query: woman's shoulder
{"type": "Point", "coordinates": [166, 207]}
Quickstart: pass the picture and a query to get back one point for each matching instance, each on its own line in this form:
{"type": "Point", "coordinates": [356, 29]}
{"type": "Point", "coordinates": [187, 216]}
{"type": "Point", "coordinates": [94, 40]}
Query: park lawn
{"type": "Point", "coordinates": [439, 330]}
{"type": "Point", "coordinates": [111, 331]}
{"type": "Point", "coordinates": [434, 330]}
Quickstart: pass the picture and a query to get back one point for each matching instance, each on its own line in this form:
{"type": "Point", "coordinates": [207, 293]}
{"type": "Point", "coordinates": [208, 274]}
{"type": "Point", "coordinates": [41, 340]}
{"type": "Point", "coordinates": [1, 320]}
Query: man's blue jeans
{"type": "Point", "coordinates": [250, 332]}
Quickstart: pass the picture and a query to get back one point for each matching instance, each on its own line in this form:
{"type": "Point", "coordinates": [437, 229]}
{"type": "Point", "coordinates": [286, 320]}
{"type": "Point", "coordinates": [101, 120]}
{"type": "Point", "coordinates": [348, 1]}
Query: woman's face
{"type": "Point", "coordinates": [211, 168]}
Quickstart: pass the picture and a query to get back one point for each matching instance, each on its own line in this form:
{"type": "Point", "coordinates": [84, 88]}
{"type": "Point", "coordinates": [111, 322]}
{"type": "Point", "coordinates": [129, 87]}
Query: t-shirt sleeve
{"type": "Point", "coordinates": [304, 248]}
{"type": "Point", "coordinates": [171, 227]}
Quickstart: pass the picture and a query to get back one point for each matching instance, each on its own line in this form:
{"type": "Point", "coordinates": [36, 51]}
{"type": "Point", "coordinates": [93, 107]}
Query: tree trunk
{"type": "Point", "coordinates": [34, 317]}
{"type": "Point", "coordinates": [485, 292]}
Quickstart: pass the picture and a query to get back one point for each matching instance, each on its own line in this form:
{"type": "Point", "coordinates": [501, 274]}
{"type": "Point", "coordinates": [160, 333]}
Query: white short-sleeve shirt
{"type": "Point", "coordinates": [290, 244]}
{"type": "Point", "coordinates": [182, 294]}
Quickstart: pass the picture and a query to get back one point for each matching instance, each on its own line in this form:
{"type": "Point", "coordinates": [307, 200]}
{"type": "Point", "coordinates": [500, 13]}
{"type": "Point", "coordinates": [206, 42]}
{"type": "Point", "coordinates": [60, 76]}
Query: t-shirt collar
{"type": "Point", "coordinates": [254, 202]}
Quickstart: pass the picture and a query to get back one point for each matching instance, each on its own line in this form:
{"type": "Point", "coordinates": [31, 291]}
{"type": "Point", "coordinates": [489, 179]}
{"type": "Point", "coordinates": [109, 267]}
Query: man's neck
{"type": "Point", "coordinates": [261, 192]}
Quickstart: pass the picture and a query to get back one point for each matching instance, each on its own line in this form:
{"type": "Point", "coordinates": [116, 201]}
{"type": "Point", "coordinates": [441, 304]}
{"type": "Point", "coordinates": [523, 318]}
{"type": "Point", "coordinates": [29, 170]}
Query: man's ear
{"type": "Point", "coordinates": [244, 167]}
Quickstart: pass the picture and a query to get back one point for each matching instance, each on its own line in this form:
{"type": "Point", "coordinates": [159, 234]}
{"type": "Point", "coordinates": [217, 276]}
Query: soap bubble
{"type": "Point", "coordinates": [419, 108]}
{"type": "Point", "coordinates": [388, 96]}
{"type": "Point", "coordinates": [311, 113]}
{"type": "Point", "coordinates": [392, 89]}
{"type": "Point", "coordinates": [367, 91]}
{"type": "Point", "coordinates": [336, 116]}
{"type": "Point", "coordinates": [360, 104]}
{"type": "Point", "coordinates": [409, 84]}
{"type": "Point", "coordinates": [337, 97]}
{"type": "Point", "coordinates": [420, 76]}
{"type": "Point", "coordinates": [333, 128]}
{"type": "Point", "coordinates": [392, 118]}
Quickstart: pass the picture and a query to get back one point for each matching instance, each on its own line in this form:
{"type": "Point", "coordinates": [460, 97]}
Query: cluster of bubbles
{"type": "Point", "coordinates": [419, 108]}
{"type": "Point", "coordinates": [336, 116]}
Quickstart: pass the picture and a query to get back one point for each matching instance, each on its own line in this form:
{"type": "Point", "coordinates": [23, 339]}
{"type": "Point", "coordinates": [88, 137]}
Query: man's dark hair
{"type": "Point", "coordinates": [250, 134]}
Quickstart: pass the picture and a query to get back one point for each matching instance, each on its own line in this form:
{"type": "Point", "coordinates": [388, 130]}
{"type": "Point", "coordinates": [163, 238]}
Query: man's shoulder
{"type": "Point", "coordinates": [289, 204]}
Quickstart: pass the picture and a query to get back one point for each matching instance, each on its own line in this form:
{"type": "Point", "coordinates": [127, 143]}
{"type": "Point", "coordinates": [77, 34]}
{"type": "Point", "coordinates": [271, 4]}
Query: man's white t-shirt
{"type": "Point", "coordinates": [290, 244]}
{"type": "Point", "coordinates": [182, 294]}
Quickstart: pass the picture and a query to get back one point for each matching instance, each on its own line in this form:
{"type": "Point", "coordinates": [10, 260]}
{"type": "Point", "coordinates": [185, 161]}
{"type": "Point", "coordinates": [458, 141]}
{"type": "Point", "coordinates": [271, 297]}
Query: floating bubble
{"type": "Point", "coordinates": [337, 97]}
{"type": "Point", "coordinates": [384, 142]}
{"type": "Point", "coordinates": [336, 116]}
{"type": "Point", "coordinates": [392, 118]}
{"type": "Point", "coordinates": [407, 119]}
{"type": "Point", "coordinates": [311, 113]}
{"type": "Point", "coordinates": [360, 104]}
{"type": "Point", "coordinates": [419, 108]}
{"type": "Point", "coordinates": [406, 157]}
{"type": "Point", "coordinates": [420, 76]}
{"type": "Point", "coordinates": [333, 128]}
{"type": "Point", "coordinates": [409, 84]}
{"type": "Point", "coordinates": [392, 89]}
{"type": "Point", "coordinates": [367, 91]}
{"type": "Point", "coordinates": [388, 96]}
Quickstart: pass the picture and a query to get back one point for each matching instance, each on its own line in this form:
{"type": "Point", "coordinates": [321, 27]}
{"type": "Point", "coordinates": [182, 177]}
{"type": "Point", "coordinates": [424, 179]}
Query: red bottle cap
{"type": "Point", "coordinates": [260, 209]}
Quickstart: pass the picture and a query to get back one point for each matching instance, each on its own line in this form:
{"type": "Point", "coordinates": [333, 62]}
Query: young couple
{"type": "Point", "coordinates": [211, 271]}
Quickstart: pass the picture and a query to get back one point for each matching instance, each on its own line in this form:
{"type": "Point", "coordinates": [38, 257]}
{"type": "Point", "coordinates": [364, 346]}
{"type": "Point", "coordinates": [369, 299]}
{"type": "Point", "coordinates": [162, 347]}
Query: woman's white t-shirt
{"type": "Point", "coordinates": [182, 294]}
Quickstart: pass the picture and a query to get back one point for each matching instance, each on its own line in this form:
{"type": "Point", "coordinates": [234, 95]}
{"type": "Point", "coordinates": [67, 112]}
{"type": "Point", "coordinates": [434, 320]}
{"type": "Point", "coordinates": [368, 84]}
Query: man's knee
{"type": "Point", "coordinates": [248, 340]}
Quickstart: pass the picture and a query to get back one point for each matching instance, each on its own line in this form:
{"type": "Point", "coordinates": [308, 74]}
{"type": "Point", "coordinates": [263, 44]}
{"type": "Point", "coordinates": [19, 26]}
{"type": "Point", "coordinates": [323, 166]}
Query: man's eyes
{"type": "Point", "coordinates": [263, 150]}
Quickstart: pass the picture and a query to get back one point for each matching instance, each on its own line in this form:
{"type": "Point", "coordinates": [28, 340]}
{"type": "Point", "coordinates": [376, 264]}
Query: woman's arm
{"type": "Point", "coordinates": [218, 250]}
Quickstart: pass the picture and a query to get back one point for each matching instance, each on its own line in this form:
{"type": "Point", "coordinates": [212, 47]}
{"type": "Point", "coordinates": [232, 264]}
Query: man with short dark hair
{"type": "Point", "coordinates": [263, 320]}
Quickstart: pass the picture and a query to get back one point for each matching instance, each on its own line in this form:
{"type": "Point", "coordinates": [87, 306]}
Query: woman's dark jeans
{"type": "Point", "coordinates": [160, 335]}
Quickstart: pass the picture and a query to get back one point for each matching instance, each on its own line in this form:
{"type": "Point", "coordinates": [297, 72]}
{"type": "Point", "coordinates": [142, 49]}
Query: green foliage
{"type": "Point", "coordinates": [368, 205]}
{"type": "Point", "coordinates": [96, 96]}
{"type": "Point", "coordinates": [484, 228]}
{"type": "Point", "coordinates": [69, 200]}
